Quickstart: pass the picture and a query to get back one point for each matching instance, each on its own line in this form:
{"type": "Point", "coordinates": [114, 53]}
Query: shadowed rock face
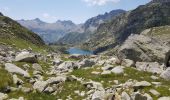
{"type": "Point", "coordinates": [144, 48]}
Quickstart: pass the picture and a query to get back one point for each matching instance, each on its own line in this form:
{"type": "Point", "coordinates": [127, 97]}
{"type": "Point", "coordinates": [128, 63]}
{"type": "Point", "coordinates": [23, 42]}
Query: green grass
{"type": "Point", "coordinates": [5, 79]}
{"type": "Point", "coordinates": [69, 88]}
{"type": "Point", "coordinates": [32, 96]}
{"type": "Point", "coordinates": [22, 44]}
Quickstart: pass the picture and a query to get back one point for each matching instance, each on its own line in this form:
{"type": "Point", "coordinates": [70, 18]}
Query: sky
{"type": "Point", "coordinates": [52, 10]}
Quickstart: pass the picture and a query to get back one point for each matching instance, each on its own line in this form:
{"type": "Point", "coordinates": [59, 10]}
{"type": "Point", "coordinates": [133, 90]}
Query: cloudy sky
{"type": "Point", "coordinates": [52, 10]}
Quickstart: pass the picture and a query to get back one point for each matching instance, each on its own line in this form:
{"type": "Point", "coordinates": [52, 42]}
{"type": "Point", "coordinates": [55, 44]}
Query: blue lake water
{"type": "Point", "coordinates": [79, 51]}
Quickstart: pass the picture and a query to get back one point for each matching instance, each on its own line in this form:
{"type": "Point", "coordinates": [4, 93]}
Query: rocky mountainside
{"type": "Point", "coordinates": [50, 32]}
{"type": "Point", "coordinates": [89, 27]}
{"type": "Point", "coordinates": [133, 22]}
{"type": "Point", "coordinates": [12, 33]}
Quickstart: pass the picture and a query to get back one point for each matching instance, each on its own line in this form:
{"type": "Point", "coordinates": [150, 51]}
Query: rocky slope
{"type": "Point", "coordinates": [89, 27]}
{"type": "Point", "coordinates": [132, 22]}
{"type": "Point", "coordinates": [50, 32]}
{"type": "Point", "coordinates": [26, 75]}
{"type": "Point", "coordinates": [12, 33]}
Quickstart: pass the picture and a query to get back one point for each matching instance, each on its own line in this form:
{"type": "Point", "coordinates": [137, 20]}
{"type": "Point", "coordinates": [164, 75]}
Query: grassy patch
{"type": "Point", "coordinates": [5, 79]}
{"type": "Point", "coordinates": [69, 88]}
{"type": "Point", "coordinates": [22, 44]}
{"type": "Point", "coordinates": [32, 96]}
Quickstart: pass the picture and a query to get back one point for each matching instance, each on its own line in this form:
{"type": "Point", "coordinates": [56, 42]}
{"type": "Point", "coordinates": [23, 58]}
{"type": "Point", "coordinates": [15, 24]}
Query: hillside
{"type": "Point", "coordinates": [132, 22]}
{"type": "Point", "coordinates": [89, 27]}
{"type": "Point", "coordinates": [50, 32]}
{"type": "Point", "coordinates": [12, 33]}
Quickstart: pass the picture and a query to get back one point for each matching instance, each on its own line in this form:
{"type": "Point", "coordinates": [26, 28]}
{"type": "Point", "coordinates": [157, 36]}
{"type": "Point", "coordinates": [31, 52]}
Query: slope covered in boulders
{"type": "Point", "coordinates": [26, 75]}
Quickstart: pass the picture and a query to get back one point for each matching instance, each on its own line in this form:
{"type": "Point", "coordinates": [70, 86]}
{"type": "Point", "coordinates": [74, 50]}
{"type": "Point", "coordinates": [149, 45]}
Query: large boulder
{"type": "Point", "coordinates": [26, 57]}
{"type": "Point", "coordinates": [87, 63]}
{"type": "Point", "coordinates": [118, 70]}
{"type": "Point", "coordinates": [166, 74]}
{"type": "Point", "coordinates": [152, 67]}
{"type": "Point", "coordinates": [11, 68]}
{"type": "Point", "coordinates": [98, 95]}
{"type": "Point", "coordinates": [40, 86]}
{"type": "Point", "coordinates": [144, 49]}
{"type": "Point", "coordinates": [56, 80]}
{"type": "Point", "coordinates": [66, 66]}
{"type": "Point", "coordinates": [3, 96]}
{"type": "Point", "coordinates": [37, 67]}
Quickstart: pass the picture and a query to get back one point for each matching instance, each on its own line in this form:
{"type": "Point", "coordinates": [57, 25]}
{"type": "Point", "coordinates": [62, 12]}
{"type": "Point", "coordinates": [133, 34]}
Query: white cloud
{"type": "Point", "coordinates": [99, 2]}
{"type": "Point", "coordinates": [48, 16]}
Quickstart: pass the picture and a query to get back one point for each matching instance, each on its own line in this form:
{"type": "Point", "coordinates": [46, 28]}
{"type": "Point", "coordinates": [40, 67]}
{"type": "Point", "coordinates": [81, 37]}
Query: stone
{"type": "Point", "coordinates": [106, 72]}
{"type": "Point", "coordinates": [26, 90]}
{"type": "Point", "coordinates": [144, 49]}
{"type": "Point", "coordinates": [142, 84]}
{"type": "Point", "coordinates": [117, 70]}
{"type": "Point", "coordinates": [56, 80]}
{"type": "Point", "coordinates": [164, 98]}
{"type": "Point", "coordinates": [16, 80]}
{"type": "Point", "coordinates": [87, 63]}
{"type": "Point", "coordinates": [65, 66]}
{"type": "Point", "coordinates": [128, 63]}
{"type": "Point", "coordinates": [26, 57]}
{"type": "Point", "coordinates": [154, 92]}
{"type": "Point", "coordinates": [49, 90]}
{"type": "Point", "coordinates": [153, 67]}
{"type": "Point", "coordinates": [107, 67]}
{"type": "Point", "coordinates": [138, 96]}
{"type": "Point", "coordinates": [166, 74]}
{"type": "Point", "coordinates": [154, 77]}
{"type": "Point", "coordinates": [148, 96]}
{"type": "Point", "coordinates": [3, 96]}
{"type": "Point", "coordinates": [94, 85]}
{"type": "Point", "coordinates": [37, 67]}
{"type": "Point", "coordinates": [40, 86]}
{"type": "Point", "coordinates": [98, 95]}
{"type": "Point", "coordinates": [11, 68]}
{"type": "Point", "coordinates": [95, 73]}
{"type": "Point", "coordinates": [125, 96]}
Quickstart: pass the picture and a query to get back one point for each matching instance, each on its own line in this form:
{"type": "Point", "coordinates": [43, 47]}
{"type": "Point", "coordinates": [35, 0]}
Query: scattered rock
{"type": "Point", "coordinates": [117, 70]}
{"type": "Point", "coordinates": [152, 67]}
{"type": "Point", "coordinates": [3, 96]}
{"type": "Point", "coordinates": [138, 96]}
{"type": "Point", "coordinates": [142, 84]}
{"type": "Point", "coordinates": [16, 70]}
{"type": "Point", "coordinates": [40, 86]}
{"type": "Point", "coordinates": [37, 67]}
{"type": "Point", "coordinates": [166, 74]}
{"type": "Point", "coordinates": [106, 72]}
{"type": "Point", "coordinates": [94, 85]}
{"type": "Point", "coordinates": [16, 80]}
{"type": "Point", "coordinates": [26, 57]}
{"type": "Point", "coordinates": [154, 92]}
{"type": "Point", "coordinates": [98, 95]}
{"type": "Point", "coordinates": [87, 63]}
{"type": "Point", "coordinates": [125, 96]}
{"type": "Point", "coordinates": [164, 98]}
{"type": "Point", "coordinates": [128, 63]}
{"type": "Point", "coordinates": [56, 80]}
{"type": "Point", "coordinates": [95, 73]}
